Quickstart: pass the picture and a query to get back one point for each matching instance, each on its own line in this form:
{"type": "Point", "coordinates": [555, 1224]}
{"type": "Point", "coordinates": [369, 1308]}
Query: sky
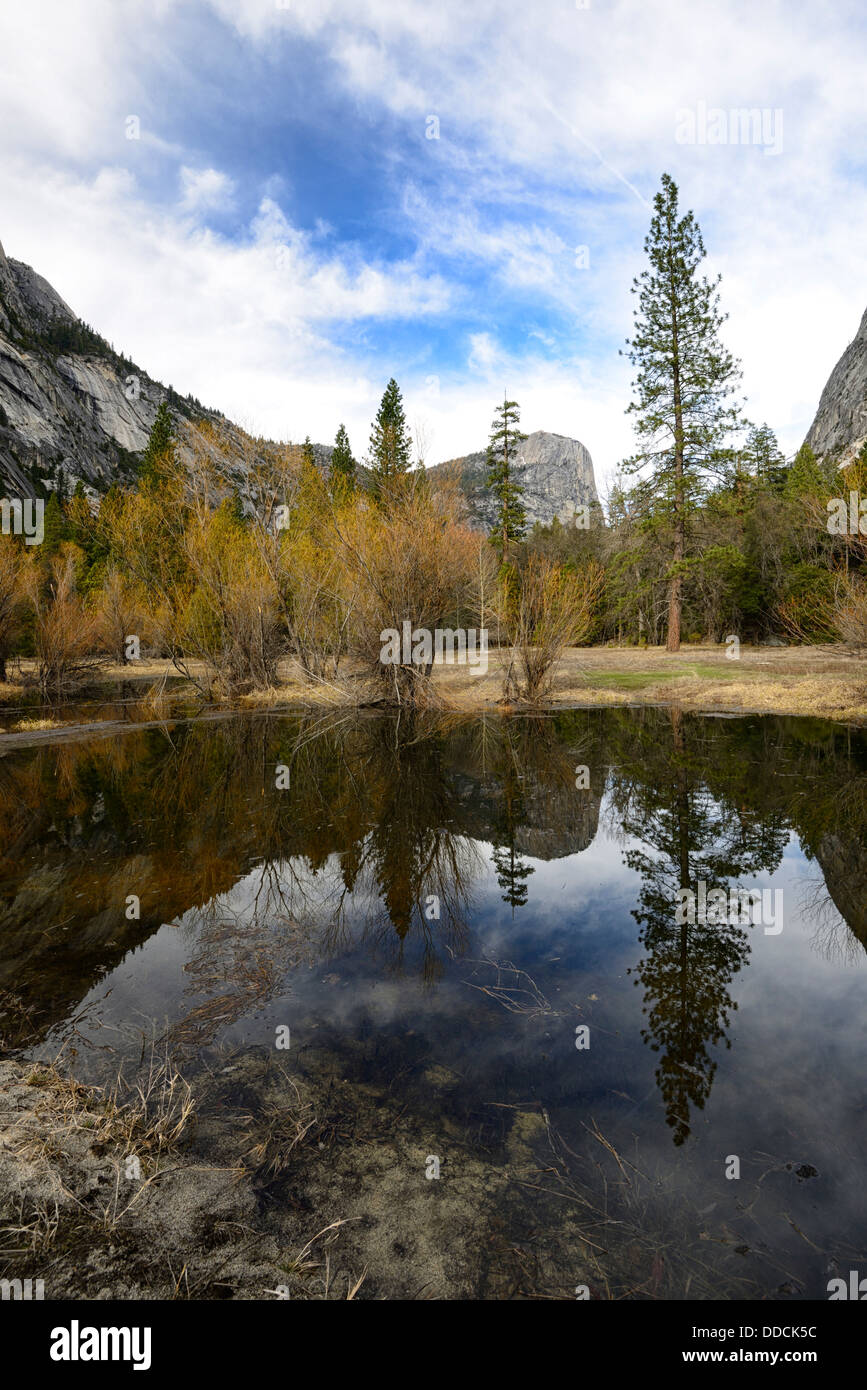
{"type": "Point", "coordinates": [277, 205]}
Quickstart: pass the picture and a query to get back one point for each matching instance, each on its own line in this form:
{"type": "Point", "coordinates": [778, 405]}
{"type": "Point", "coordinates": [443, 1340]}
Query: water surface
{"type": "Point", "coordinates": [434, 911]}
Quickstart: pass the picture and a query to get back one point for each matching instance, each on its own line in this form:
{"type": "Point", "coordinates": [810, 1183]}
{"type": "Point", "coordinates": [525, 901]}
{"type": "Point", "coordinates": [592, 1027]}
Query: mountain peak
{"type": "Point", "coordinates": [555, 471]}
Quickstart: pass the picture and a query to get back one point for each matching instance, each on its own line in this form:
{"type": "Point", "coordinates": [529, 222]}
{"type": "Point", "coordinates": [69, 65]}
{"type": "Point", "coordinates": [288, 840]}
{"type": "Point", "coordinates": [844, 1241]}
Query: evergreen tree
{"type": "Point", "coordinates": [342, 463]}
{"type": "Point", "coordinates": [159, 453]}
{"type": "Point", "coordinates": [765, 458]}
{"type": "Point", "coordinates": [390, 443]}
{"type": "Point", "coordinates": [684, 382]}
{"type": "Point", "coordinates": [56, 530]}
{"type": "Point", "coordinates": [805, 477]}
{"type": "Point", "coordinates": [80, 522]}
{"type": "Point", "coordinates": [510, 523]}
{"type": "Point", "coordinates": [235, 508]}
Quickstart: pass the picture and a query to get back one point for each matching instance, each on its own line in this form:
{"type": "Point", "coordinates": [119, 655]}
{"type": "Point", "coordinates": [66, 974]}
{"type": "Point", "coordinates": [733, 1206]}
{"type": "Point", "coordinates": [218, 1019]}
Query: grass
{"type": "Point", "coordinates": [642, 680]}
{"type": "Point", "coordinates": [630, 680]}
{"type": "Point", "coordinates": [26, 726]}
{"type": "Point", "coordinates": [828, 682]}
{"type": "Point", "coordinates": [147, 1119]}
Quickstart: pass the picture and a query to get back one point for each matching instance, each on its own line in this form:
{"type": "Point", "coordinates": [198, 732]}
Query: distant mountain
{"type": "Point", "coordinates": [72, 406]}
{"type": "Point", "coordinates": [556, 473]}
{"type": "Point", "coordinates": [840, 426]}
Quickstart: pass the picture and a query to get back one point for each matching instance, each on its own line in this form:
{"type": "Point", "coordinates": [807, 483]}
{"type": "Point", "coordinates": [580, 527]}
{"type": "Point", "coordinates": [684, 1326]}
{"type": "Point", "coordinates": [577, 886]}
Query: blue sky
{"type": "Point", "coordinates": [283, 235]}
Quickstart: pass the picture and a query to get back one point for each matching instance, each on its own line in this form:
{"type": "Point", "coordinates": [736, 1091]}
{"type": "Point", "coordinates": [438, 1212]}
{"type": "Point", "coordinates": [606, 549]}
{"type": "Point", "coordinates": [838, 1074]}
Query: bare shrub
{"type": "Point", "coordinates": [193, 561]}
{"type": "Point", "coordinates": [118, 614]}
{"type": "Point", "coordinates": [850, 612]}
{"type": "Point", "coordinates": [12, 594]}
{"type": "Point", "coordinates": [229, 619]}
{"type": "Point", "coordinates": [64, 631]}
{"type": "Point", "coordinates": [546, 609]}
{"type": "Point", "coordinates": [412, 560]}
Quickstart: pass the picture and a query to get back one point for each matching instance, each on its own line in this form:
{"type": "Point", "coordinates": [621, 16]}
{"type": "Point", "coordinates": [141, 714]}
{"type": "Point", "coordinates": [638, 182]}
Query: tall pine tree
{"type": "Point", "coordinates": [805, 477]}
{"type": "Point", "coordinates": [685, 380]}
{"type": "Point", "coordinates": [510, 523]}
{"type": "Point", "coordinates": [390, 443]}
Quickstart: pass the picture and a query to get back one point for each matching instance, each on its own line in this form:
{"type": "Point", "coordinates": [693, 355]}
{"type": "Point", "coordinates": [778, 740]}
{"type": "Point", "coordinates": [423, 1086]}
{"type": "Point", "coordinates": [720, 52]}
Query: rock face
{"type": "Point", "coordinates": [555, 472]}
{"type": "Point", "coordinates": [840, 426]}
{"type": "Point", "coordinates": [68, 401]}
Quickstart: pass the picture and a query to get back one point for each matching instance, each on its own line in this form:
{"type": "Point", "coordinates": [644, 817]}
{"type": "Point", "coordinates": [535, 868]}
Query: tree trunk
{"type": "Point", "coordinates": [506, 502]}
{"type": "Point", "coordinates": [675, 588]}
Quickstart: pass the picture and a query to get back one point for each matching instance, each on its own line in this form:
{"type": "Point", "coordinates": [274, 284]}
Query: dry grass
{"type": "Point", "coordinates": [826, 682]}
{"type": "Point", "coordinates": [77, 1125]}
{"type": "Point", "coordinates": [147, 1117]}
{"type": "Point", "coordinates": [25, 726]}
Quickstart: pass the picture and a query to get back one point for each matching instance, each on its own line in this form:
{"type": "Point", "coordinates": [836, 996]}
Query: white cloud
{"type": "Point", "coordinates": [204, 190]}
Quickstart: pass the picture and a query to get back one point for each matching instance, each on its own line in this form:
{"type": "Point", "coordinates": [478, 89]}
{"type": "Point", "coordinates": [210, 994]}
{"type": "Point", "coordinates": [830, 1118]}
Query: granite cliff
{"type": "Point", "coordinates": [69, 403]}
{"type": "Point", "coordinates": [556, 473]}
{"type": "Point", "coordinates": [840, 426]}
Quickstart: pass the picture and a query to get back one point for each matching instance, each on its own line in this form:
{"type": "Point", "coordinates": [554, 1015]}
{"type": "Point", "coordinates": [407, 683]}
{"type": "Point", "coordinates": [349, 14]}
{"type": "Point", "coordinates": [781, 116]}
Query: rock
{"type": "Point", "coordinates": [556, 473]}
{"type": "Point", "coordinates": [840, 426]}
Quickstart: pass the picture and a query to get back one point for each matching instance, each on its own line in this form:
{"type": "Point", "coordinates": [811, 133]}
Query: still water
{"type": "Point", "coordinates": [467, 933]}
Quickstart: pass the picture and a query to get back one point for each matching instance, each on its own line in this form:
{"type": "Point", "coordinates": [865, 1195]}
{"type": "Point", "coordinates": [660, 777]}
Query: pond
{"type": "Point", "coordinates": [531, 1071]}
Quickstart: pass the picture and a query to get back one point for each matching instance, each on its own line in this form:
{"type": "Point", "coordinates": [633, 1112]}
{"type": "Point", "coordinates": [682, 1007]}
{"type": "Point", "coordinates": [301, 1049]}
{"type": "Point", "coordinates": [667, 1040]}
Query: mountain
{"type": "Point", "coordinates": [840, 426]}
{"type": "Point", "coordinates": [68, 400]}
{"type": "Point", "coordinates": [72, 407]}
{"type": "Point", "coordinates": [556, 473]}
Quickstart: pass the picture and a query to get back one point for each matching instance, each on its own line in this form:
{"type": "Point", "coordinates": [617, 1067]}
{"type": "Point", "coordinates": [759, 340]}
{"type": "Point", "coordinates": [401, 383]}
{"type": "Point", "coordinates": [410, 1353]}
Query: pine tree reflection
{"type": "Point", "coordinates": [687, 835]}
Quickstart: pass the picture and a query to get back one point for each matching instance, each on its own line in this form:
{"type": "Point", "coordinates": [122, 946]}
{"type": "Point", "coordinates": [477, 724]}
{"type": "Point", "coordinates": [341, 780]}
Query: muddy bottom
{"type": "Point", "coordinates": [323, 1188]}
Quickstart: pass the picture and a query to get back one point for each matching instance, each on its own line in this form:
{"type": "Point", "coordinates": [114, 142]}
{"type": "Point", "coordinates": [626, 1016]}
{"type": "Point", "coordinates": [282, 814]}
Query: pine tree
{"type": "Point", "coordinates": [342, 463]}
{"type": "Point", "coordinates": [235, 508]}
{"type": "Point", "coordinates": [805, 477]}
{"type": "Point", "coordinates": [684, 382]}
{"type": "Point", "coordinates": [159, 452]}
{"type": "Point", "coordinates": [56, 530]}
{"type": "Point", "coordinates": [81, 525]}
{"type": "Point", "coordinates": [765, 457]}
{"type": "Point", "coordinates": [390, 443]}
{"type": "Point", "coordinates": [510, 522]}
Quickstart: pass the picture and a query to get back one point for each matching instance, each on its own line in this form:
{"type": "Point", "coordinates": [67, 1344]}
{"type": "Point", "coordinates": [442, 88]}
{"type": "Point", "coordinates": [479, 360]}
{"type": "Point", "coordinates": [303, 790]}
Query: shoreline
{"type": "Point", "coordinates": [806, 682]}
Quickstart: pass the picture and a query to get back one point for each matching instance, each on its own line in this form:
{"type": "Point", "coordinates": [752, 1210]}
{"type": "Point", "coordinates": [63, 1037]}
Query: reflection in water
{"type": "Point", "coordinates": [687, 836]}
{"type": "Point", "coordinates": [388, 856]}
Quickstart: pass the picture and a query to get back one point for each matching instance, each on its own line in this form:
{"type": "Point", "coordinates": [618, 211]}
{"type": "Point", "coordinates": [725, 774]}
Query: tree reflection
{"type": "Point", "coordinates": [687, 835]}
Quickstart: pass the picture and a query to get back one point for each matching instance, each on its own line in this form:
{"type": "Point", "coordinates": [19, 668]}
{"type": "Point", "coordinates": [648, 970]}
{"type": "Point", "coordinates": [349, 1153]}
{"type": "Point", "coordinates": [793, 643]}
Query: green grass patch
{"type": "Point", "coordinates": [631, 680]}
{"type": "Point", "coordinates": [640, 680]}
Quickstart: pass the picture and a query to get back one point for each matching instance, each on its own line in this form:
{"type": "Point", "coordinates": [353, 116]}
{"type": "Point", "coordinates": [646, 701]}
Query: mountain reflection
{"type": "Point", "coordinates": [381, 836]}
